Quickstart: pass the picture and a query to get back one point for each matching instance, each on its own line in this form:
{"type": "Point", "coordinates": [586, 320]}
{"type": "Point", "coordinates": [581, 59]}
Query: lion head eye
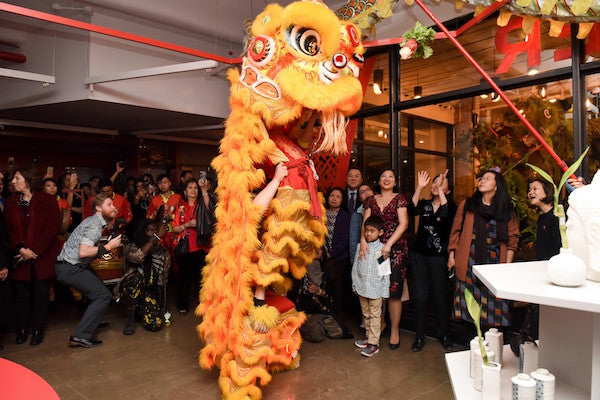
{"type": "Point", "coordinates": [305, 40]}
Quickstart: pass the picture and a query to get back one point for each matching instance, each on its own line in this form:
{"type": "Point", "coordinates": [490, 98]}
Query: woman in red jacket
{"type": "Point", "coordinates": [32, 220]}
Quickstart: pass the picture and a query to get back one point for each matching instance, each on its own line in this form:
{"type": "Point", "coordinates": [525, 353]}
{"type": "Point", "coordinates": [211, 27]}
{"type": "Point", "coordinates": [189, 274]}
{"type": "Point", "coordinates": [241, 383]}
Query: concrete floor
{"type": "Point", "coordinates": [164, 365]}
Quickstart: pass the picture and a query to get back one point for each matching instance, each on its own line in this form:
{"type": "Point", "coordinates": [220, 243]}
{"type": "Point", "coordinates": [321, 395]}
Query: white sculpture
{"type": "Point", "coordinates": [583, 226]}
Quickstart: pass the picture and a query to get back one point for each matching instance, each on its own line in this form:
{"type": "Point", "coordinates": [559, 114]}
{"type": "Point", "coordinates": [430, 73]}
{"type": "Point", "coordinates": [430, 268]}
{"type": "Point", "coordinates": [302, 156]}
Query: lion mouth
{"type": "Point", "coordinates": [331, 127]}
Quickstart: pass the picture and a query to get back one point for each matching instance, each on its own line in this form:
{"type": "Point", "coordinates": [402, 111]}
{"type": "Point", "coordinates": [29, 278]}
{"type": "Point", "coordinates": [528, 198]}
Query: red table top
{"type": "Point", "coordinates": [20, 383]}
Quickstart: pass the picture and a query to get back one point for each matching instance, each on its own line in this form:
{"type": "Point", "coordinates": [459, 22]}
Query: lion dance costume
{"type": "Point", "coordinates": [300, 59]}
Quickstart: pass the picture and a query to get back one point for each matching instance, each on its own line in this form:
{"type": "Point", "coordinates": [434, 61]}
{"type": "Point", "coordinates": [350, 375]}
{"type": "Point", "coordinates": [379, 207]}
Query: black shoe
{"type": "Point", "coordinates": [75, 341]}
{"type": "Point", "coordinates": [37, 337]}
{"type": "Point", "coordinates": [394, 346]}
{"type": "Point", "coordinates": [21, 336]}
{"type": "Point", "coordinates": [446, 343]}
{"type": "Point", "coordinates": [418, 345]}
{"type": "Point", "coordinates": [129, 328]}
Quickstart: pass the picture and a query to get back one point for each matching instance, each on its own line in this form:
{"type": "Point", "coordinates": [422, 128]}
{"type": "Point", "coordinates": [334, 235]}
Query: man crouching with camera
{"type": "Point", "coordinates": [73, 268]}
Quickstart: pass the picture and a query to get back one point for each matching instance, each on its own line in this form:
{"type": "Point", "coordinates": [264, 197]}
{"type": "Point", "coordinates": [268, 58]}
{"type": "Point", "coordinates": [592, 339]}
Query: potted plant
{"type": "Point", "coordinates": [565, 268]}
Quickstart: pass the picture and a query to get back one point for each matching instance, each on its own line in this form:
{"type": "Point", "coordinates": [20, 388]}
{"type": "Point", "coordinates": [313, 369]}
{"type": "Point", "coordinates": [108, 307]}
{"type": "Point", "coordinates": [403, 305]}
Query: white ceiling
{"type": "Point", "coordinates": [222, 20]}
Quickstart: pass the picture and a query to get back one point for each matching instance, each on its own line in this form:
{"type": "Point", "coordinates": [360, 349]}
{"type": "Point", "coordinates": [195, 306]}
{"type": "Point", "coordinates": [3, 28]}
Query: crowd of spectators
{"type": "Point", "coordinates": [52, 230]}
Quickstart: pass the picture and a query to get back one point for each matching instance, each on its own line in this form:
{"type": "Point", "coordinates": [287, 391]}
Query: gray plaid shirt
{"type": "Point", "coordinates": [88, 233]}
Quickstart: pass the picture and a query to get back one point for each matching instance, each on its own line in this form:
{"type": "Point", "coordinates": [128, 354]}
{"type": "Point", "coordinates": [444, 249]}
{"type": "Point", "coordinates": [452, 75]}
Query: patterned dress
{"type": "Point", "coordinates": [399, 252]}
{"type": "Point", "coordinates": [494, 311]}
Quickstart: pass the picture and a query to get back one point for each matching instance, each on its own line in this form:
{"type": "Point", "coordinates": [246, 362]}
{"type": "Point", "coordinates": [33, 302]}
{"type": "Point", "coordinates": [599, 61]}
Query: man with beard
{"type": "Point", "coordinates": [121, 204]}
{"type": "Point", "coordinates": [72, 268]}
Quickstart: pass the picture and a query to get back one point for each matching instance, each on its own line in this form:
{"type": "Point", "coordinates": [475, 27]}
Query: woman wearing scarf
{"type": "Point", "coordinates": [485, 231]}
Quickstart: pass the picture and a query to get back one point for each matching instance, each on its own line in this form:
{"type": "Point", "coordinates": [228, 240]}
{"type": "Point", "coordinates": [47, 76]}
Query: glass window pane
{"type": "Point", "coordinates": [377, 129]}
{"type": "Point", "coordinates": [376, 159]}
{"type": "Point", "coordinates": [430, 136]}
{"type": "Point", "coordinates": [377, 93]}
{"type": "Point", "coordinates": [432, 164]}
{"type": "Point", "coordinates": [448, 70]}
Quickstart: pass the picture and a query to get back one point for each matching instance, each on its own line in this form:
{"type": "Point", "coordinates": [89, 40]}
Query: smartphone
{"type": "Point", "coordinates": [11, 161]}
{"type": "Point", "coordinates": [380, 260]}
{"type": "Point", "coordinates": [451, 273]}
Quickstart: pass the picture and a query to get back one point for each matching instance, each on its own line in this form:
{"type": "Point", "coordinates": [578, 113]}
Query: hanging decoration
{"type": "Point", "coordinates": [558, 12]}
{"type": "Point", "coordinates": [302, 64]}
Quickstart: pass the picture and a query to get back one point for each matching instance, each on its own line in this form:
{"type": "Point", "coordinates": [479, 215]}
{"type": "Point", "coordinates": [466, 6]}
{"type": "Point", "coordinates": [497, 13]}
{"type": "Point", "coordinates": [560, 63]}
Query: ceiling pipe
{"type": "Point", "coordinates": [26, 12]}
{"type": "Point", "coordinates": [167, 138]}
{"type": "Point", "coordinates": [14, 57]}
{"type": "Point", "coordinates": [58, 127]}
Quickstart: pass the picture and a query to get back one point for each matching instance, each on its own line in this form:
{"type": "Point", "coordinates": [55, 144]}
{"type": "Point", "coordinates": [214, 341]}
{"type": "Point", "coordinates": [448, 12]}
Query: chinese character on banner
{"type": "Point", "coordinates": [531, 45]}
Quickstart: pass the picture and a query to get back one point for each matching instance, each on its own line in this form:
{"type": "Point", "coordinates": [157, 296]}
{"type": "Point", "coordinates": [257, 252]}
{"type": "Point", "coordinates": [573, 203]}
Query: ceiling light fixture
{"type": "Point", "coordinates": [553, 100]}
{"type": "Point", "coordinates": [494, 96]}
{"type": "Point", "coordinates": [380, 133]}
{"type": "Point", "coordinates": [533, 70]}
{"type": "Point", "coordinates": [378, 81]}
{"type": "Point", "coordinates": [543, 91]}
{"type": "Point", "coordinates": [484, 95]}
{"type": "Point", "coordinates": [417, 90]}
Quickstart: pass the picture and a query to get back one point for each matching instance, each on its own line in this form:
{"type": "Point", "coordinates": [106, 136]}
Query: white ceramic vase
{"type": "Point", "coordinates": [491, 384]}
{"type": "Point", "coordinates": [478, 367]}
{"type": "Point", "coordinates": [566, 269]}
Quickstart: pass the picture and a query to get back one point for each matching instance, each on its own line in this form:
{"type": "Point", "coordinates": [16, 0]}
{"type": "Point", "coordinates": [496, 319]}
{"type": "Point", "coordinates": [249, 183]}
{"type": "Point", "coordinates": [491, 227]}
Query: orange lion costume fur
{"type": "Point", "coordinates": [301, 60]}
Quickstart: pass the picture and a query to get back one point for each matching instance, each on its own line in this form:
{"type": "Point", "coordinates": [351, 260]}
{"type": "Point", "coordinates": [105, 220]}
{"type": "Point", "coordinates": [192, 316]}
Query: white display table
{"type": "Point", "coordinates": [569, 322]}
{"type": "Point", "coordinates": [462, 385]}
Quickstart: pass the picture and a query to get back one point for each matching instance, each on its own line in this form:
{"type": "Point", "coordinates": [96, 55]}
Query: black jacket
{"type": "Point", "coordinates": [4, 255]}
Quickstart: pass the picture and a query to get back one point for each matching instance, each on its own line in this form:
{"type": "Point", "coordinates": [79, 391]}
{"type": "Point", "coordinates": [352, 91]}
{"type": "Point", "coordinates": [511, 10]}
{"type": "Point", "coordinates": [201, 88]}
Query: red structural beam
{"type": "Point", "coordinates": [383, 42]}
{"type": "Point", "coordinates": [114, 33]}
{"type": "Point", "coordinates": [497, 89]}
{"type": "Point", "coordinates": [481, 16]}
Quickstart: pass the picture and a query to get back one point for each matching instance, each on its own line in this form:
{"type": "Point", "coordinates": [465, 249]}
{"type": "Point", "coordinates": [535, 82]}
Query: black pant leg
{"type": "Point", "coordinates": [419, 293]}
{"type": "Point", "coordinates": [7, 305]}
{"type": "Point", "coordinates": [40, 300]}
{"type": "Point", "coordinates": [22, 293]}
{"type": "Point", "coordinates": [188, 265]}
{"type": "Point", "coordinates": [438, 271]}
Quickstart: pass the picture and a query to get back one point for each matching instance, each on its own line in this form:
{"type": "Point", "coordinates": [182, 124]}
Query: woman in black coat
{"type": "Point", "coordinates": [336, 253]}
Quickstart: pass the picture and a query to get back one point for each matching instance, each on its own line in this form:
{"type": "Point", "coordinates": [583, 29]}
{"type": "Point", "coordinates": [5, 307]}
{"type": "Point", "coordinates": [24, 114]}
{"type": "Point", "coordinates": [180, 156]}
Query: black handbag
{"type": "Point", "coordinates": [183, 245]}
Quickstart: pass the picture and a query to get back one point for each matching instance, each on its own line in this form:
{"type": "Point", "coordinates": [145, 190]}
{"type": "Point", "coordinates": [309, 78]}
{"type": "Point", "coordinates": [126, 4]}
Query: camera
{"type": "Point", "coordinates": [119, 229]}
{"type": "Point", "coordinates": [122, 164]}
{"type": "Point", "coordinates": [202, 176]}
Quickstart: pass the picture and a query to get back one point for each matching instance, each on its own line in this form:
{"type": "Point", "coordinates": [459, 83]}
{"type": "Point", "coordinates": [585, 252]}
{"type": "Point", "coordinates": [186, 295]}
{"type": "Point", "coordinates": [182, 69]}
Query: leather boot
{"type": "Point", "coordinates": [37, 337]}
{"type": "Point", "coordinates": [21, 336]}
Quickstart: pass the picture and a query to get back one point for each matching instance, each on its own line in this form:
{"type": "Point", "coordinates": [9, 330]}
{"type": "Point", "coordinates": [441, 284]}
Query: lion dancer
{"type": "Point", "coordinates": [301, 62]}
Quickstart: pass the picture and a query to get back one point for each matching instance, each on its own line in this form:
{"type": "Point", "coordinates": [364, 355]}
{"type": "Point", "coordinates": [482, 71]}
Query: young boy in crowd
{"type": "Point", "coordinates": [370, 286]}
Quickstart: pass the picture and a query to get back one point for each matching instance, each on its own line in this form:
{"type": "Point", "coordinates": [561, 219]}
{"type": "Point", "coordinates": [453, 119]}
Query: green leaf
{"type": "Point", "coordinates": [427, 51]}
{"type": "Point", "coordinates": [572, 168]}
{"type": "Point", "coordinates": [475, 311]}
{"type": "Point", "coordinates": [473, 308]}
{"type": "Point", "coordinates": [542, 173]}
